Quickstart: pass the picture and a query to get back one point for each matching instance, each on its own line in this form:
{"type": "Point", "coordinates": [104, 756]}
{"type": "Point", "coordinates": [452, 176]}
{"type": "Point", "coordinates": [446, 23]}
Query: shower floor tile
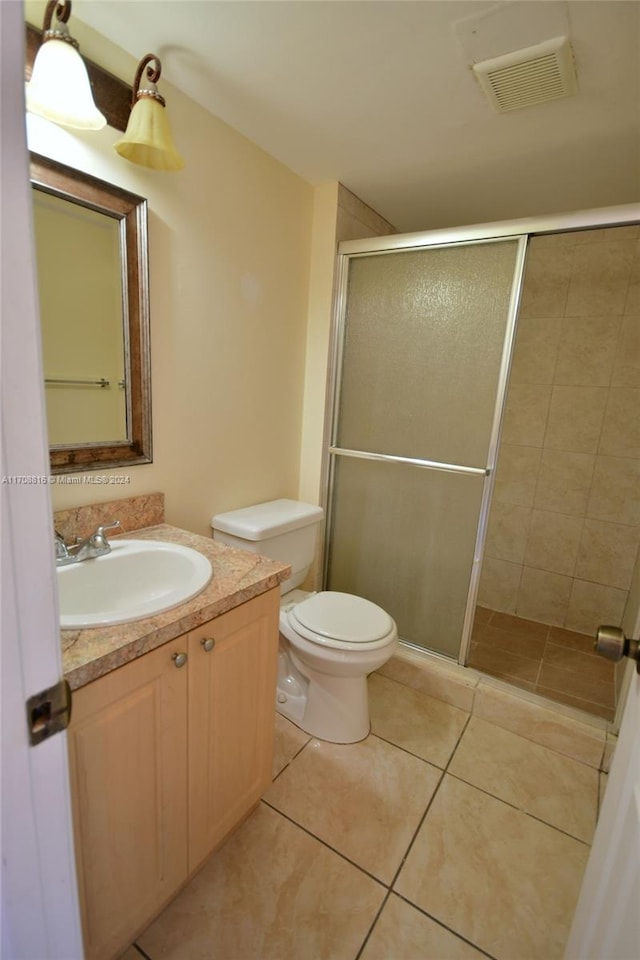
{"type": "Point", "coordinates": [551, 661]}
{"type": "Point", "coordinates": [370, 852]}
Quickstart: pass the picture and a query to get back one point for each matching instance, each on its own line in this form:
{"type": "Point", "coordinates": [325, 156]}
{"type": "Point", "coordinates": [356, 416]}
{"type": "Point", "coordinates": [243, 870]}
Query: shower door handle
{"type": "Point", "coordinates": [612, 644]}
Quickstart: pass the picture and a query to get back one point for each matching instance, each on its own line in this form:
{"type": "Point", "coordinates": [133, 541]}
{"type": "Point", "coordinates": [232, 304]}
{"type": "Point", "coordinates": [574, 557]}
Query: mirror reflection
{"type": "Point", "coordinates": [83, 347]}
{"type": "Point", "coordinates": [91, 253]}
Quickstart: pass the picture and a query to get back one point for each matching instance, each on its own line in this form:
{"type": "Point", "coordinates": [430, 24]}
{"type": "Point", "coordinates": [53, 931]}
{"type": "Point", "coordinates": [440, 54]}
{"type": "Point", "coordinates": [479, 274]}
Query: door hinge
{"type": "Point", "coordinates": [48, 712]}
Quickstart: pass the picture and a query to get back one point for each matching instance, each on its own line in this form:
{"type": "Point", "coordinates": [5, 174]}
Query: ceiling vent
{"type": "Point", "coordinates": [526, 77]}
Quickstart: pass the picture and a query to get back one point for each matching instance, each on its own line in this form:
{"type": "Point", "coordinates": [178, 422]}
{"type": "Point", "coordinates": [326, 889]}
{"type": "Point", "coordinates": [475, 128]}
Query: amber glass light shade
{"type": "Point", "coordinates": [147, 140]}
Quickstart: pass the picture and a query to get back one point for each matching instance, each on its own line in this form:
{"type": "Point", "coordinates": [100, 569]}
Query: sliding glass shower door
{"type": "Point", "coordinates": [422, 352]}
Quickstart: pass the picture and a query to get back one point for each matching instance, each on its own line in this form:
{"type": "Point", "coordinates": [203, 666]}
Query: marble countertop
{"type": "Point", "coordinates": [238, 576]}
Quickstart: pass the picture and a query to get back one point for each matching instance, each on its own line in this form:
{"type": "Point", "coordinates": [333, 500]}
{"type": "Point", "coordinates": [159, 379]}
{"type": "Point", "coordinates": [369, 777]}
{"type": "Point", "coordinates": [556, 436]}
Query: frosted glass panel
{"type": "Point", "coordinates": [404, 538]}
{"type": "Point", "coordinates": [424, 332]}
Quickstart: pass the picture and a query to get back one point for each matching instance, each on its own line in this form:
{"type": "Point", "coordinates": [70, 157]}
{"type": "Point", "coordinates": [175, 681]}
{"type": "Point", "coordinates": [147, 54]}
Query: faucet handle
{"type": "Point", "coordinates": [107, 526]}
{"type": "Point", "coordinates": [98, 538]}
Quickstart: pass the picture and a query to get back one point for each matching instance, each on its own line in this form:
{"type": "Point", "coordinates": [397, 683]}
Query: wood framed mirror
{"type": "Point", "coordinates": [92, 259]}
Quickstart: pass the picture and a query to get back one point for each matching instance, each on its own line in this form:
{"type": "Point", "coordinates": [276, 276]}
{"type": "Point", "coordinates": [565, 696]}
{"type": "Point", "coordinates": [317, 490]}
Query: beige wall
{"type": "Point", "coordinates": [323, 257]}
{"type": "Point", "coordinates": [338, 215]}
{"type": "Point", "coordinates": [230, 243]}
{"type": "Point", "coordinates": [565, 522]}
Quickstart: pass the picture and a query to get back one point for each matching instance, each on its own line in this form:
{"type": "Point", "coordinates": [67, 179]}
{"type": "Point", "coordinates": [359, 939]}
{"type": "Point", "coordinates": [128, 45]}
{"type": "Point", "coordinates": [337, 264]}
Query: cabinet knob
{"type": "Point", "coordinates": [179, 659]}
{"type": "Point", "coordinates": [207, 644]}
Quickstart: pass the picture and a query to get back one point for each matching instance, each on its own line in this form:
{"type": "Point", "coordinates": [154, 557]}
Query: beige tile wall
{"type": "Point", "coordinates": [564, 529]}
{"type": "Point", "coordinates": [356, 220]}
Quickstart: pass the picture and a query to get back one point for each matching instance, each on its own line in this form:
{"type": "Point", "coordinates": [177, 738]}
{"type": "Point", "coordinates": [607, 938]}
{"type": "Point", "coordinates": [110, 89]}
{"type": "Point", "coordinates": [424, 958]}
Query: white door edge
{"type": "Point", "coordinates": [40, 916]}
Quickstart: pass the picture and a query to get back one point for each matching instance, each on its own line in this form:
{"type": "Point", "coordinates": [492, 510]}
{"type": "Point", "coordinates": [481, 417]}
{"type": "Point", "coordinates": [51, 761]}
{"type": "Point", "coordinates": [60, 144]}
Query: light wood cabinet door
{"type": "Point", "coordinates": [231, 719]}
{"type": "Point", "coordinates": [128, 762]}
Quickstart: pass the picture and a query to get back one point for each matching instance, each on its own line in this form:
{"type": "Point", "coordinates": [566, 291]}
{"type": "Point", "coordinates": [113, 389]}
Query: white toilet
{"type": "Point", "coordinates": [329, 641]}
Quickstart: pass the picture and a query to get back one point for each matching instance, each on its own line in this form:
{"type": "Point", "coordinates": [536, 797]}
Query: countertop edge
{"type": "Point", "coordinates": [238, 576]}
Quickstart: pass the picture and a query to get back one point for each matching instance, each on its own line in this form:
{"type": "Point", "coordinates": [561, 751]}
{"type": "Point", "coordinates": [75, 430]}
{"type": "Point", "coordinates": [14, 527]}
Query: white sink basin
{"type": "Point", "coordinates": [138, 579]}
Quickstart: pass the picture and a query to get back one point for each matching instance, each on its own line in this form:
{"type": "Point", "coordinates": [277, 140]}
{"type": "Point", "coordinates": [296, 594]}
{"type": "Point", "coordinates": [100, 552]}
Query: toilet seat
{"type": "Point", "coordinates": [341, 621]}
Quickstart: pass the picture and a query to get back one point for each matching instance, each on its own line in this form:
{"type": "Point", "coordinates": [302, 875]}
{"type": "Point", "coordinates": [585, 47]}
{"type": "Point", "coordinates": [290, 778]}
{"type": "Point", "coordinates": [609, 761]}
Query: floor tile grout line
{"type": "Point", "coordinates": [517, 631]}
{"type": "Point", "coordinates": [514, 806]}
{"type": "Point", "coordinates": [458, 741]}
{"type": "Point", "coordinates": [543, 746]}
{"type": "Point", "coordinates": [373, 924]}
{"type": "Point", "coordinates": [429, 804]}
{"type": "Point", "coordinates": [416, 832]}
{"type": "Point", "coordinates": [609, 687]}
{"type": "Point", "coordinates": [141, 951]}
{"type": "Point", "coordinates": [440, 923]}
{"type": "Point", "coordinates": [601, 792]}
{"type": "Point", "coordinates": [490, 646]}
{"type": "Point", "coordinates": [409, 753]}
{"type": "Point", "coordinates": [576, 650]}
{"type": "Point", "coordinates": [391, 743]}
{"type": "Point", "coordinates": [324, 843]}
{"type": "Point", "coordinates": [389, 886]}
{"type": "Point", "coordinates": [594, 658]}
{"type": "Point", "coordinates": [417, 690]}
{"type": "Point", "coordinates": [541, 661]}
{"type": "Point", "coordinates": [604, 752]}
{"type": "Point", "coordinates": [545, 691]}
{"type": "Point", "coordinates": [565, 833]}
{"type": "Point", "coordinates": [548, 629]}
{"type": "Point", "coordinates": [441, 771]}
{"type": "Point", "coordinates": [290, 761]}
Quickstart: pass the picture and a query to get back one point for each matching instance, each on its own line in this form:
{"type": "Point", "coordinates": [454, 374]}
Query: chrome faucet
{"type": "Point", "coordinates": [62, 551]}
{"type": "Point", "coordinates": [95, 545]}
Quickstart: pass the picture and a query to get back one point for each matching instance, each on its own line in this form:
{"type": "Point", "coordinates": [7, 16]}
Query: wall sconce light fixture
{"type": "Point", "coordinates": [148, 140]}
{"type": "Point", "coordinates": [59, 88]}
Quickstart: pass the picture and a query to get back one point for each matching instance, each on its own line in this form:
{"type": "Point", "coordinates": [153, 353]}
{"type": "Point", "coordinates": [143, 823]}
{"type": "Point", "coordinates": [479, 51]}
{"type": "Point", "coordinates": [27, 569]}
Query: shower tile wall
{"type": "Point", "coordinates": [564, 529]}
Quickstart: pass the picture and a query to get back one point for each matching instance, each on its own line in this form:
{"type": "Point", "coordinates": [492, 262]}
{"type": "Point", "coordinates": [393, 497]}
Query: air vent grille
{"type": "Point", "coordinates": [526, 77]}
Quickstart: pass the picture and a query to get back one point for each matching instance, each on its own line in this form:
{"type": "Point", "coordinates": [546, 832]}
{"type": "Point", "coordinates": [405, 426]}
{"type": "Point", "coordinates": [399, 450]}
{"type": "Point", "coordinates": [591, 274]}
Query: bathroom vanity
{"type": "Point", "coordinates": [170, 741]}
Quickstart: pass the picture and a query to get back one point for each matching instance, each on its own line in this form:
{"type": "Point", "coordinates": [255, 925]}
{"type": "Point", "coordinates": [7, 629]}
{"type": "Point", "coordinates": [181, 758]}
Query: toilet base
{"type": "Point", "coordinates": [335, 709]}
{"type": "Point", "coordinates": [291, 692]}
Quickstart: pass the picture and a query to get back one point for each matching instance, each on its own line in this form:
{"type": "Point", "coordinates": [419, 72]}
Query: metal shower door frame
{"type": "Point", "coordinates": [519, 230]}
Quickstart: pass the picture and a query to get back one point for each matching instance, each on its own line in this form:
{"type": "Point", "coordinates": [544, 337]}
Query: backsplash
{"type": "Point", "coordinates": [134, 513]}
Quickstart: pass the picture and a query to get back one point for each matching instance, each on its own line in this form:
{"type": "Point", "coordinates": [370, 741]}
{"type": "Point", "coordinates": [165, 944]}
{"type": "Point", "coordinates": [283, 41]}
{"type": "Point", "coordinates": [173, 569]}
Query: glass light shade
{"type": "Point", "coordinates": [59, 88]}
{"type": "Point", "coordinates": [148, 140]}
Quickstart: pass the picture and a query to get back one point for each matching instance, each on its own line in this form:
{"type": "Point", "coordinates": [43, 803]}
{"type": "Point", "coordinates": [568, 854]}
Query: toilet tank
{"type": "Point", "coordinates": [285, 530]}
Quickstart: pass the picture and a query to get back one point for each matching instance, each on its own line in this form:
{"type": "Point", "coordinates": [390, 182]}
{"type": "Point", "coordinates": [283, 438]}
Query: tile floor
{"type": "Point", "coordinates": [439, 837]}
{"type": "Point", "coordinates": [556, 663]}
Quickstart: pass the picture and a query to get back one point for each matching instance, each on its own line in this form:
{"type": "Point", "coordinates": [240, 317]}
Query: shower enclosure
{"type": "Point", "coordinates": [423, 350]}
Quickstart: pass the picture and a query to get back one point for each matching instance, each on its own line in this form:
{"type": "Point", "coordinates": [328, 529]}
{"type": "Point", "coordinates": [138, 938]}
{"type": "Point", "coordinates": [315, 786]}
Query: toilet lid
{"type": "Point", "coordinates": [341, 616]}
